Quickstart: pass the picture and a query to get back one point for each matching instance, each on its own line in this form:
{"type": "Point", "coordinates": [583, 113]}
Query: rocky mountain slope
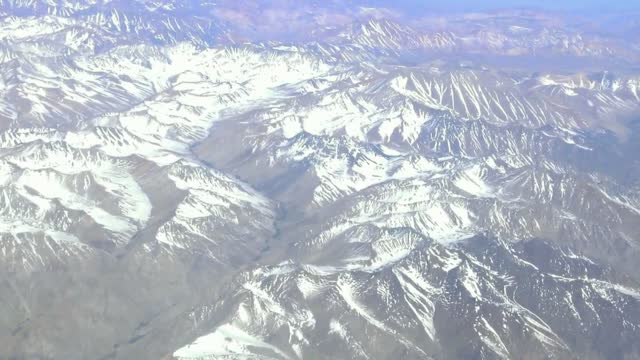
{"type": "Point", "coordinates": [178, 182]}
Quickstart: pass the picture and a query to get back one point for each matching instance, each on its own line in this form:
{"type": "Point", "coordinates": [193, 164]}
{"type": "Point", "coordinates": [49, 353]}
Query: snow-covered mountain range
{"type": "Point", "coordinates": [195, 180]}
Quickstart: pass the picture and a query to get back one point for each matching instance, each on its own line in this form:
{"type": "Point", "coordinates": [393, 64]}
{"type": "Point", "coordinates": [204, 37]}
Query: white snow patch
{"type": "Point", "coordinates": [226, 341]}
{"type": "Point", "coordinates": [472, 182]}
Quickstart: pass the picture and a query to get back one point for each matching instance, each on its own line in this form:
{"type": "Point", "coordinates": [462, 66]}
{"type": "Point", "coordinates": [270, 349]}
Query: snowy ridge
{"type": "Point", "coordinates": [484, 34]}
{"type": "Point", "coordinates": [402, 299]}
{"type": "Point", "coordinates": [315, 180]}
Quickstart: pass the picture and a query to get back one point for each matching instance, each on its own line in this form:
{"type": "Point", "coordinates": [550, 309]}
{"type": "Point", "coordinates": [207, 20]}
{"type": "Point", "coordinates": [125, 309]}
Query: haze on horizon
{"type": "Point", "coordinates": [470, 5]}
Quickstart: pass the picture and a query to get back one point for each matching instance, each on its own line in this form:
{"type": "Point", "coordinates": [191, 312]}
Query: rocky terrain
{"type": "Point", "coordinates": [199, 180]}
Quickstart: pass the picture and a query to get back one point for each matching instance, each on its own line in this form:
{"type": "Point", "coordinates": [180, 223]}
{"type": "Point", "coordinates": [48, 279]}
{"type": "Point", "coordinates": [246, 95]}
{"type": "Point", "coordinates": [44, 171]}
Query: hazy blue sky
{"type": "Point", "coordinates": [578, 5]}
